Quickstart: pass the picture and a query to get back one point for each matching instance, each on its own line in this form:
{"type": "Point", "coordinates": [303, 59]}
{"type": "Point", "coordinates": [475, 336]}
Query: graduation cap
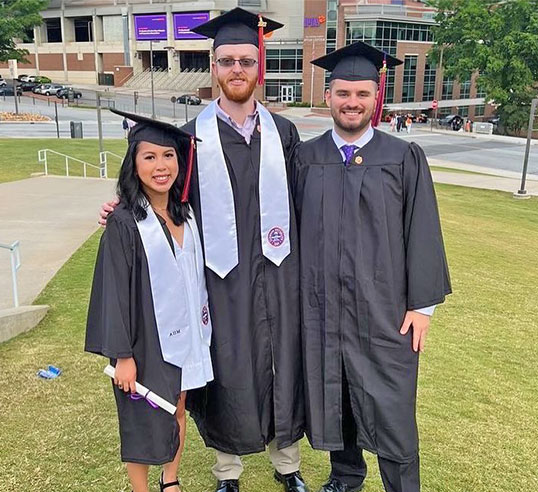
{"type": "Point", "coordinates": [360, 61]}
{"type": "Point", "coordinates": [164, 134]}
{"type": "Point", "coordinates": [238, 26]}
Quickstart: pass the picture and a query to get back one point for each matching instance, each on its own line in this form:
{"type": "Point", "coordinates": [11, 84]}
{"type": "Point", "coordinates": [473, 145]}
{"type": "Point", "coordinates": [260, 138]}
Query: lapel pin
{"type": "Point", "coordinates": [358, 160]}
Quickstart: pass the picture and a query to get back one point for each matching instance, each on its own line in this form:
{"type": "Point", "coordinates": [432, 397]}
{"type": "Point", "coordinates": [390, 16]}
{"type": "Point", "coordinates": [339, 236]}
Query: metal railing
{"type": "Point", "coordinates": [103, 160]}
{"type": "Point", "coordinates": [15, 265]}
{"type": "Point", "coordinates": [42, 157]}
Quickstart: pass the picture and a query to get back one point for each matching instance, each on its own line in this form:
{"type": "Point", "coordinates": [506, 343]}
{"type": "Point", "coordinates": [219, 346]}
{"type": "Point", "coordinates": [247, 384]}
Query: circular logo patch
{"type": "Point", "coordinates": [205, 315]}
{"type": "Point", "coordinates": [276, 237]}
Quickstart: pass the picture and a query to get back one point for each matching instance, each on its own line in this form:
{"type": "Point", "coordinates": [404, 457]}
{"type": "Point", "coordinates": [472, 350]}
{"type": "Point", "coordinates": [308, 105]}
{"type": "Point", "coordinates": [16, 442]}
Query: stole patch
{"type": "Point", "coordinates": [276, 237]}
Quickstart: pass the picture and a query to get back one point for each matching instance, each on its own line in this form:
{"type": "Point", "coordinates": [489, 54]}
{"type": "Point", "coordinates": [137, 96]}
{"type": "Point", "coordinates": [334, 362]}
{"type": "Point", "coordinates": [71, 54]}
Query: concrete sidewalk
{"type": "Point", "coordinates": [52, 217]}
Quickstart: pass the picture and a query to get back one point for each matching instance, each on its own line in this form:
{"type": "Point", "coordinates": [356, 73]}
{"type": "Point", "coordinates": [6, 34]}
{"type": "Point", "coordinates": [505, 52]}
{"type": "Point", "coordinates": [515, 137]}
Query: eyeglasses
{"type": "Point", "coordinates": [230, 62]}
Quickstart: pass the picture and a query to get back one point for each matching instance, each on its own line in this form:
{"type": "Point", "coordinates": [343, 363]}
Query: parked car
{"type": "Point", "coordinates": [37, 88]}
{"type": "Point", "coordinates": [454, 121]}
{"type": "Point", "coordinates": [39, 79]}
{"type": "Point", "coordinates": [27, 86]}
{"type": "Point", "coordinates": [47, 89]}
{"type": "Point", "coordinates": [3, 83]}
{"type": "Point", "coordinates": [23, 78]}
{"type": "Point", "coordinates": [8, 91]}
{"type": "Point", "coordinates": [64, 93]}
{"type": "Point", "coordinates": [190, 99]}
{"type": "Point", "coordinates": [422, 118]}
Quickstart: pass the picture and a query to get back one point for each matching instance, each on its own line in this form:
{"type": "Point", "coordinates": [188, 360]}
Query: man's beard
{"type": "Point", "coordinates": [354, 127]}
{"type": "Point", "coordinates": [238, 94]}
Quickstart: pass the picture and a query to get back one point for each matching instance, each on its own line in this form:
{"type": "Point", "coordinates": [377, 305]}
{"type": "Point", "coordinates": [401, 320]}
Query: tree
{"type": "Point", "coordinates": [17, 18]}
{"type": "Point", "coordinates": [499, 39]}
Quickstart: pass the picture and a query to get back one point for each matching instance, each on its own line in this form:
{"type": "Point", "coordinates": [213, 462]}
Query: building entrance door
{"type": "Point", "coordinates": [287, 94]}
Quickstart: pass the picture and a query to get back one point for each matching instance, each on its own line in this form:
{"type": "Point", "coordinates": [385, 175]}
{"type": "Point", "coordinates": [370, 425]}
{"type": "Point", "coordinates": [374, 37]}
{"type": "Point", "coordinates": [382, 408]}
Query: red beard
{"type": "Point", "coordinates": [238, 94]}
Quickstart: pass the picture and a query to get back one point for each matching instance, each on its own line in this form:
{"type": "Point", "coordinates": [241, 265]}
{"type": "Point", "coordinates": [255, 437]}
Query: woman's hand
{"type": "Point", "coordinates": [125, 375]}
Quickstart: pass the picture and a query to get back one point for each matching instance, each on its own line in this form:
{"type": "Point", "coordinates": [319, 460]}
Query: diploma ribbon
{"type": "Point", "coordinates": [137, 396]}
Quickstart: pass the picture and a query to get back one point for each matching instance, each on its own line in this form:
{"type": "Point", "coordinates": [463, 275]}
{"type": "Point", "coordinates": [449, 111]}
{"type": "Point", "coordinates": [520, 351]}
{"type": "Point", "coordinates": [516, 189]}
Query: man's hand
{"type": "Point", "coordinates": [421, 325]}
{"type": "Point", "coordinates": [125, 375]}
{"type": "Point", "coordinates": [106, 208]}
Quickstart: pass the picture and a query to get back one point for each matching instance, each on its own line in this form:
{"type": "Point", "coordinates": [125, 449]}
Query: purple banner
{"type": "Point", "coordinates": [183, 23]}
{"type": "Point", "coordinates": [150, 27]}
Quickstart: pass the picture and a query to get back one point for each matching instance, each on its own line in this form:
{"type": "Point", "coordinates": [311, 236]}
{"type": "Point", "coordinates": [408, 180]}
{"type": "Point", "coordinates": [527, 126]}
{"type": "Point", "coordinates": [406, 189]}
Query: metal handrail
{"type": "Point", "coordinates": [15, 265]}
{"type": "Point", "coordinates": [42, 158]}
{"type": "Point", "coordinates": [103, 160]}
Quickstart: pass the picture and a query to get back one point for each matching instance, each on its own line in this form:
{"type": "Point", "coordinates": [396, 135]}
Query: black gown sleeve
{"type": "Point", "coordinates": [108, 329]}
{"type": "Point", "coordinates": [428, 280]}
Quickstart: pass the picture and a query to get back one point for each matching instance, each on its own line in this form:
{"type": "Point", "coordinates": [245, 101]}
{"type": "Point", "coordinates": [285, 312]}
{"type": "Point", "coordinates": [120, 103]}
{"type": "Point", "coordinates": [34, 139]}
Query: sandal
{"type": "Point", "coordinates": [163, 485]}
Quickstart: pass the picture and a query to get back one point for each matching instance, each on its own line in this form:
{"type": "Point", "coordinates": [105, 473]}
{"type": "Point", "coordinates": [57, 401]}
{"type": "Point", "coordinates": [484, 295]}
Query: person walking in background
{"type": "Point", "coordinates": [408, 123]}
{"type": "Point", "coordinates": [392, 122]}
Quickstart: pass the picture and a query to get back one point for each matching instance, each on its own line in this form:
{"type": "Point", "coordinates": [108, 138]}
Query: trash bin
{"type": "Point", "coordinates": [76, 129]}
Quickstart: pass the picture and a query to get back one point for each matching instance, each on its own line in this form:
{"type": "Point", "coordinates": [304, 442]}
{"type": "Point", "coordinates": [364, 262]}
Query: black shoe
{"type": "Point", "coordinates": [293, 482]}
{"type": "Point", "coordinates": [335, 485]}
{"type": "Point", "coordinates": [227, 486]}
{"type": "Point", "coordinates": [163, 485]}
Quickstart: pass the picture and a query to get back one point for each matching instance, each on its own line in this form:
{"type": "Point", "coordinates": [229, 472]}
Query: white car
{"type": "Point", "coordinates": [3, 83]}
{"type": "Point", "coordinates": [23, 78]}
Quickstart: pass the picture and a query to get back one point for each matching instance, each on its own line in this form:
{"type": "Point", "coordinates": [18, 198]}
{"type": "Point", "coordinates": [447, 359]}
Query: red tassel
{"type": "Point", "coordinates": [381, 97]}
{"type": "Point", "coordinates": [190, 162]}
{"type": "Point", "coordinates": [261, 51]}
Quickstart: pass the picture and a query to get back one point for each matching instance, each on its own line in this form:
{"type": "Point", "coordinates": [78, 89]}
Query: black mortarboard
{"type": "Point", "coordinates": [238, 26]}
{"type": "Point", "coordinates": [357, 61]}
{"type": "Point", "coordinates": [154, 131]}
{"type": "Point", "coordinates": [164, 134]}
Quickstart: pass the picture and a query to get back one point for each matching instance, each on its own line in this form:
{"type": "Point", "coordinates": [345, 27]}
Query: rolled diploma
{"type": "Point", "coordinates": [147, 394]}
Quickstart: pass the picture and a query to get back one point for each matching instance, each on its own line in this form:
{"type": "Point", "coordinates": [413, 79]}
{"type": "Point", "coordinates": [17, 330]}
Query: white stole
{"type": "Point", "coordinates": [168, 290]}
{"type": "Point", "coordinates": [217, 200]}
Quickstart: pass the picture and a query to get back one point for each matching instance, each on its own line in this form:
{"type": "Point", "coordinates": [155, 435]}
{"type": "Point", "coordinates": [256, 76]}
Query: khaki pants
{"type": "Point", "coordinates": [286, 460]}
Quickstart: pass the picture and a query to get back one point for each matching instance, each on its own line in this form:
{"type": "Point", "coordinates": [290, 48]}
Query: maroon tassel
{"type": "Point", "coordinates": [381, 97]}
{"type": "Point", "coordinates": [261, 51]}
{"type": "Point", "coordinates": [190, 162]}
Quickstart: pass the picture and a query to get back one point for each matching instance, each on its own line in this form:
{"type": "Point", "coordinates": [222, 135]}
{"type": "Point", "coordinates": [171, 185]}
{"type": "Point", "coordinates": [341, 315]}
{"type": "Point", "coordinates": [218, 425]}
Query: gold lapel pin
{"type": "Point", "coordinates": [358, 160]}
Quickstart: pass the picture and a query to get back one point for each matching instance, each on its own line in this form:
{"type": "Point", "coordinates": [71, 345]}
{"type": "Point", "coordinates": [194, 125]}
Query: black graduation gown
{"type": "Point", "coordinates": [255, 316]}
{"type": "Point", "coordinates": [121, 323]}
{"type": "Point", "coordinates": [371, 249]}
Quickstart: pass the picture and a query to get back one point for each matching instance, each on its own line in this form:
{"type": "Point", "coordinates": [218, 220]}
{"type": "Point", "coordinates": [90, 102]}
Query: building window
{"type": "Point", "coordinates": [480, 110]}
{"type": "Point", "coordinates": [448, 87]}
{"type": "Point", "coordinates": [83, 29]}
{"type": "Point", "coordinates": [444, 112]}
{"type": "Point", "coordinates": [409, 78]}
{"type": "Point", "coordinates": [284, 60]}
{"type": "Point", "coordinates": [194, 61]}
{"type": "Point", "coordinates": [480, 91]}
{"type": "Point", "coordinates": [464, 111]}
{"type": "Point", "coordinates": [384, 35]}
{"type": "Point", "coordinates": [428, 93]}
{"type": "Point", "coordinates": [54, 30]}
{"type": "Point", "coordinates": [465, 89]}
{"type": "Point", "coordinates": [332, 23]}
{"type": "Point", "coordinates": [273, 88]}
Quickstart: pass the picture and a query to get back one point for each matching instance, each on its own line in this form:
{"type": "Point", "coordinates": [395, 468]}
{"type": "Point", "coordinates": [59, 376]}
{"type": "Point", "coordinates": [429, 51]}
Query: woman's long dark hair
{"type": "Point", "coordinates": [131, 192]}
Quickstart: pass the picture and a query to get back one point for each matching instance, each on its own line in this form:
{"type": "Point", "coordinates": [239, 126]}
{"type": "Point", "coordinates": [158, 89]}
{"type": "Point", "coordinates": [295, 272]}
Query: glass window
{"type": "Point", "coordinates": [448, 88]}
{"type": "Point", "coordinates": [464, 111]}
{"type": "Point", "coordinates": [479, 110]}
{"type": "Point", "coordinates": [465, 90]}
{"type": "Point", "coordinates": [54, 30]}
{"type": "Point", "coordinates": [409, 78]}
{"type": "Point", "coordinates": [83, 29]}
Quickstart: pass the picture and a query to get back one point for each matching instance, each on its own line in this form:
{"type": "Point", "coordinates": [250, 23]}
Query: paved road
{"type": "Point", "coordinates": [493, 153]}
{"type": "Point", "coordinates": [52, 217]}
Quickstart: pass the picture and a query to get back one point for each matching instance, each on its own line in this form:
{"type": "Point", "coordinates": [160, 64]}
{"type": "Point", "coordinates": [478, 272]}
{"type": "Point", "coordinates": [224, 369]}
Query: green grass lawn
{"type": "Point", "coordinates": [477, 402]}
{"type": "Point", "coordinates": [18, 159]}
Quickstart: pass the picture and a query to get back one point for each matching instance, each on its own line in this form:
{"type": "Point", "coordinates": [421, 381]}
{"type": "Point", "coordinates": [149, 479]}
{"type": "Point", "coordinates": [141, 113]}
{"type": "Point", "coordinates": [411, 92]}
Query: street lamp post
{"type": "Point", "coordinates": [522, 192]}
{"type": "Point", "coordinates": [151, 77]}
